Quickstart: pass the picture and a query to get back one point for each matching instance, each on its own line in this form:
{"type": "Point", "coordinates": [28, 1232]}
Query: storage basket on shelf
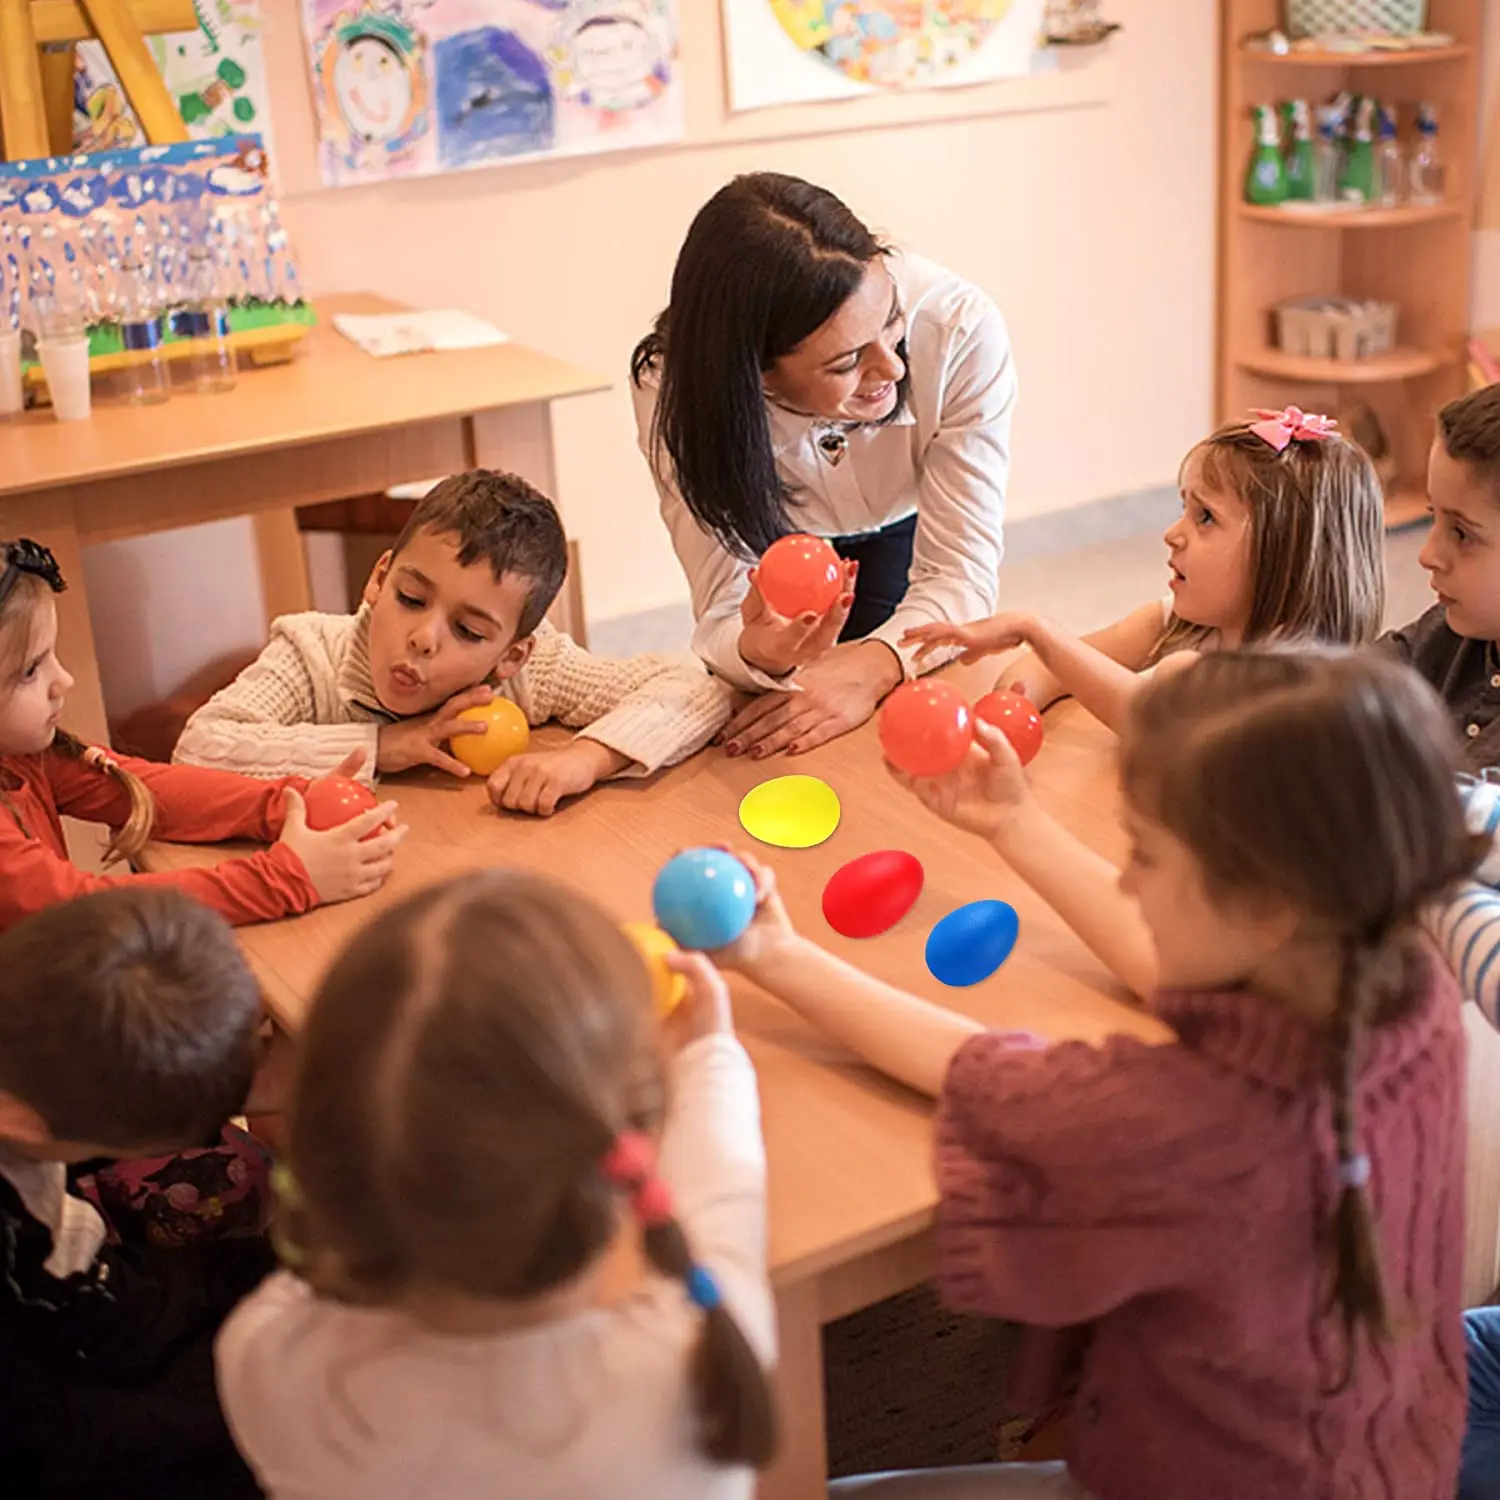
{"type": "Point", "coordinates": [1331, 17]}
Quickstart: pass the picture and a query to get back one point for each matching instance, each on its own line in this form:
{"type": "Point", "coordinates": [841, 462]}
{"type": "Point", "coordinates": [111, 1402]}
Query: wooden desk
{"type": "Point", "coordinates": [851, 1187]}
{"type": "Point", "coordinates": [333, 423]}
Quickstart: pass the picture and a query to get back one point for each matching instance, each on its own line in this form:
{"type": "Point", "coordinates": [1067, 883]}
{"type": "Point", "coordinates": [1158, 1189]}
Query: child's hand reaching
{"type": "Point", "coordinates": [984, 794]}
{"type": "Point", "coordinates": [769, 928]}
{"type": "Point", "coordinates": [705, 1008]}
{"type": "Point", "coordinates": [537, 781]}
{"type": "Point", "coordinates": [351, 860]}
{"type": "Point", "coordinates": [419, 741]}
{"type": "Point", "coordinates": [979, 638]}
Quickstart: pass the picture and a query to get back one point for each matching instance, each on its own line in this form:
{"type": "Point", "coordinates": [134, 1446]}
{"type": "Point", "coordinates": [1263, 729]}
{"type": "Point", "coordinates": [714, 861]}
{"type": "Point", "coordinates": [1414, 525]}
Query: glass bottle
{"type": "Point", "coordinates": [1326, 158]}
{"type": "Point", "coordinates": [1357, 180]}
{"type": "Point", "coordinates": [1425, 172]}
{"type": "Point", "coordinates": [203, 320]}
{"type": "Point", "coordinates": [1265, 182]}
{"type": "Point", "coordinates": [1390, 169]}
{"type": "Point", "coordinates": [143, 379]}
{"type": "Point", "coordinates": [1300, 173]}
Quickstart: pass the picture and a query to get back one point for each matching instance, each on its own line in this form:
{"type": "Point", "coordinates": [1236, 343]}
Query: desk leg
{"type": "Point", "coordinates": [48, 518]}
{"type": "Point", "coordinates": [284, 586]}
{"type": "Point", "coordinates": [801, 1468]}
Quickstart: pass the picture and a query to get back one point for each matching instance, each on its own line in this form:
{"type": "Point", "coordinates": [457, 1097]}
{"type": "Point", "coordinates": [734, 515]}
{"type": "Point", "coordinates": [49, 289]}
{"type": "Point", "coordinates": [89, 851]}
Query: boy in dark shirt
{"type": "Point", "coordinates": [128, 1027]}
{"type": "Point", "coordinates": [1453, 645]}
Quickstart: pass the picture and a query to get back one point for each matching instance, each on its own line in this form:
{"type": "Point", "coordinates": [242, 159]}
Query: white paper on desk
{"type": "Point", "coordinates": [383, 334]}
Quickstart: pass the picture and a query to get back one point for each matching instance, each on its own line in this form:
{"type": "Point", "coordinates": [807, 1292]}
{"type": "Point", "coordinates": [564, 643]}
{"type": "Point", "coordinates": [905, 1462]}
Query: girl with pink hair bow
{"type": "Point", "coordinates": [1280, 539]}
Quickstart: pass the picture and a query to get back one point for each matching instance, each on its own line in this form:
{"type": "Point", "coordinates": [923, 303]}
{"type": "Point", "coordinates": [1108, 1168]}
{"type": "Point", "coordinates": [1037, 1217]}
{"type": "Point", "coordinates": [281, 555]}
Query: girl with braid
{"type": "Point", "coordinates": [523, 1225]}
{"type": "Point", "coordinates": [1237, 1251]}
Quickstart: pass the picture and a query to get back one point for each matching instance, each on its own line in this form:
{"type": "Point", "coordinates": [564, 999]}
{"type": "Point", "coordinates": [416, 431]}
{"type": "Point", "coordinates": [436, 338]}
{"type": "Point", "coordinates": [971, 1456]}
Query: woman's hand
{"type": "Point", "coordinates": [979, 638]}
{"type": "Point", "coordinates": [775, 645]}
{"type": "Point", "coordinates": [984, 794]}
{"type": "Point", "coordinates": [838, 692]}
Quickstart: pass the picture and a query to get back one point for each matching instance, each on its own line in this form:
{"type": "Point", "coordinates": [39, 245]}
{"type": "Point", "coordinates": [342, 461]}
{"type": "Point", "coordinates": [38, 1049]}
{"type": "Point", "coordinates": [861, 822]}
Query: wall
{"type": "Point", "coordinates": [1487, 242]}
{"type": "Point", "coordinates": [1092, 227]}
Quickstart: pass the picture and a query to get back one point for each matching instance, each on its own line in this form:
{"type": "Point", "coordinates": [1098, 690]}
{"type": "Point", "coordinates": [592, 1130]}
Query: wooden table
{"type": "Point", "coordinates": [851, 1188]}
{"type": "Point", "coordinates": [333, 423]}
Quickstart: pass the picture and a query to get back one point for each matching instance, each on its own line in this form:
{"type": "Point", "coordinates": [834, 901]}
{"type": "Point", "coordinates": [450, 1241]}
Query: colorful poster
{"type": "Point", "coordinates": [215, 75]}
{"type": "Point", "coordinates": [411, 87]}
{"type": "Point", "coordinates": [806, 51]}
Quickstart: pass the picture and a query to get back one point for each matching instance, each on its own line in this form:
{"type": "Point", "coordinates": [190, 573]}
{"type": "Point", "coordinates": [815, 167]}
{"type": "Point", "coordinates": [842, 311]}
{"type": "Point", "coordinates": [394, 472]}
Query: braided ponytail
{"type": "Point", "coordinates": [1358, 1290]}
{"type": "Point", "coordinates": [736, 1414]}
{"type": "Point", "coordinates": [134, 834]}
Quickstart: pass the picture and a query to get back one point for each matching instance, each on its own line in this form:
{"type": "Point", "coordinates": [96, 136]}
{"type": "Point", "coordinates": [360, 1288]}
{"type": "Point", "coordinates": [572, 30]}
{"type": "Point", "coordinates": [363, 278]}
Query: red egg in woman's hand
{"type": "Point", "coordinates": [1016, 718]}
{"type": "Point", "coordinates": [332, 801]}
{"type": "Point", "coordinates": [926, 728]}
{"type": "Point", "coordinates": [800, 575]}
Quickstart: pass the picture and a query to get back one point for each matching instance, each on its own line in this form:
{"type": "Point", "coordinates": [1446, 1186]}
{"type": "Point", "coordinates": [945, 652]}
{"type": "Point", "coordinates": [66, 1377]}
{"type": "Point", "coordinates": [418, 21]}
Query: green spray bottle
{"type": "Point", "coordinates": [1357, 180]}
{"type": "Point", "coordinates": [1265, 183]}
{"type": "Point", "coordinates": [1297, 120]}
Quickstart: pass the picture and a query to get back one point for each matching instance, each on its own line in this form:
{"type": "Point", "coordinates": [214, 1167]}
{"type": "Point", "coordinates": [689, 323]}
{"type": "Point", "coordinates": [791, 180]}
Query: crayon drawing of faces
{"type": "Point", "coordinates": [372, 85]}
{"type": "Point", "coordinates": [613, 57]}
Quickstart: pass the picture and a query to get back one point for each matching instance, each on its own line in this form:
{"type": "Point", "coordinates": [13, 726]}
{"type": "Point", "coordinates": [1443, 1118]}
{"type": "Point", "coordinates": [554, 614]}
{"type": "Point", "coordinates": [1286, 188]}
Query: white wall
{"type": "Point", "coordinates": [1093, 228]}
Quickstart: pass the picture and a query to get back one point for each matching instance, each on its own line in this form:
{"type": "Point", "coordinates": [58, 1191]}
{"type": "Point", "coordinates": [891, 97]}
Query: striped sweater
{"type": "Point", "coordinates": [1467, 926]}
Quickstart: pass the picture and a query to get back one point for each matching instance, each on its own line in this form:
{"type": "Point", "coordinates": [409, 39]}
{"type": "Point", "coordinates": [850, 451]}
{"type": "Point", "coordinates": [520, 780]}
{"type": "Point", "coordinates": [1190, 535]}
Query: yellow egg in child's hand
{"type": "Point", "coordinates": [506, 733]}
{"type": "Point", "coordinates": [667, 988]}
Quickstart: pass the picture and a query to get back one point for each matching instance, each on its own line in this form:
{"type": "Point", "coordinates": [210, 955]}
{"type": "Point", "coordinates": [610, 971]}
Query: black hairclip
{"type": "Point", "coordinates": [26, 556]}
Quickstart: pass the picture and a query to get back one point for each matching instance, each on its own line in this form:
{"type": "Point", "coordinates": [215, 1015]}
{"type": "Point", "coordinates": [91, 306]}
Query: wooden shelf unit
{"type": "Point", "coordinates": [1419, 257]}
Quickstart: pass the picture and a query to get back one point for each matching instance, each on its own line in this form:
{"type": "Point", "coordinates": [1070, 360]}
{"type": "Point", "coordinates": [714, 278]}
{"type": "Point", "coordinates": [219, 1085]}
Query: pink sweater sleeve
{"type": "Point", "coordinates": [1071, 1179]}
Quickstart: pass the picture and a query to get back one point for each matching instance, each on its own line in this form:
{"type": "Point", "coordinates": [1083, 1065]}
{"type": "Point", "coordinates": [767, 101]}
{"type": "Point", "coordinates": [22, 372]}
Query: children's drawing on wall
{"type": "Point", "coordinates": [805, 51]}
{"type": "Point", "coordinates": [215, 75]}
{"type": "Point", "coordinates": [410, 87]}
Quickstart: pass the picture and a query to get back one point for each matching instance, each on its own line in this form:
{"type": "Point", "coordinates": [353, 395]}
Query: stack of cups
{"type": "Point", "coordinates": [62, 342]}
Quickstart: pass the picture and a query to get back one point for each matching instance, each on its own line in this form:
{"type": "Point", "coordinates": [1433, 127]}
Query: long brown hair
{"type": "Point", "coordinates": [1325, 779]}
{"type": "Point", "coordinates": [467, 1065]}
{"type": "Point", "coordinates": [1317, 569]}
{"type": "Point", "coordinates": [18, 615]}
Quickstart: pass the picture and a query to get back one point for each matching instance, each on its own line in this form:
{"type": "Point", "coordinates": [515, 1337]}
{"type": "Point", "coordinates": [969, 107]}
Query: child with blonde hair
{"type": "Point", "coordinates": [525, 1232]}
{"type": "Point", "coordinates": [45, 773]}
{"type": "Point", "coordinates": [1238, 1253]}
{"type": "Point", "coordinates": [1280, 539]}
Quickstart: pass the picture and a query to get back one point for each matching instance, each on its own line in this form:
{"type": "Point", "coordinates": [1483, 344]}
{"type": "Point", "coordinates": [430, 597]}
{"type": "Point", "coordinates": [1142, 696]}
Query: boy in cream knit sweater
{"type": "Point", "coordinates": [453, 616]}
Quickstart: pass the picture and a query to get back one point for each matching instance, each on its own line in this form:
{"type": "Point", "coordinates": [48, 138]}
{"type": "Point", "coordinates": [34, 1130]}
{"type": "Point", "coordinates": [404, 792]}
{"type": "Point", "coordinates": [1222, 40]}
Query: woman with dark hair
{"type": "Point", "coordinates": [807, 377]}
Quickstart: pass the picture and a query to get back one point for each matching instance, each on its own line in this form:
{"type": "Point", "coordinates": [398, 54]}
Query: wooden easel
{"type": "Point", "coordinates": [37, 41]}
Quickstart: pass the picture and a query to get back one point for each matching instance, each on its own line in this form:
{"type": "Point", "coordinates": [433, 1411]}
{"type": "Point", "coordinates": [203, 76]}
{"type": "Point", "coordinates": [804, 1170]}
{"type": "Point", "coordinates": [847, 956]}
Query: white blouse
{"type": "Point", "coordinates": [946, 456]}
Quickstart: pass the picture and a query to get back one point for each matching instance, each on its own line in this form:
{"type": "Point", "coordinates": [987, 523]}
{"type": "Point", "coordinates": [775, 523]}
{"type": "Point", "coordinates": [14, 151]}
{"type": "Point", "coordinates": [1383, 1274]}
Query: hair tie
{"type": "Point", "coordinates": [703, 1289]}
{"type": "Point", "coordinates": [1278, 429]}
{"type": "Point", "coordinates": [631, 1160]}
{"type": "Point", "coordinates": [100, 760]}
{"type": "Point", "coordinates": [652, 1202]}
{"type": "Point", "coordinates": [1354, 1172]}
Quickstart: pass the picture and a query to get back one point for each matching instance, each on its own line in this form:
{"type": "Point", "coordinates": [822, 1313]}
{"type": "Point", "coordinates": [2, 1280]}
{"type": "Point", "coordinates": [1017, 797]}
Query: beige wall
{"type": "Point", "coordinates": [1092, 226]}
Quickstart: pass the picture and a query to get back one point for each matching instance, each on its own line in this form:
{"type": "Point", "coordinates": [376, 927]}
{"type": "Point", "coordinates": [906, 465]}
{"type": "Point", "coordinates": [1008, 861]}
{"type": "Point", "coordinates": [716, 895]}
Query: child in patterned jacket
{"type": "Point", "coordinates": [453, 617]}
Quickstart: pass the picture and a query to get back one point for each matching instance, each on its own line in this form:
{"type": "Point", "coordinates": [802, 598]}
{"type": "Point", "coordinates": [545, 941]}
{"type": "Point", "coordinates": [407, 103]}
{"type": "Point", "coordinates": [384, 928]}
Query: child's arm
{"type": "Point", "coordinates": [265, 724]}
{"type": "Point", "coordinates": [988, 795]}
{"type": "Point", "coordinates": [1099, 669]}
{"type": "Point", "coordinates": [637, 715]}
{"type": "Point", "coordinates": [712, 1154]}
{"type": "Point", "coordinates": [1466, 927]}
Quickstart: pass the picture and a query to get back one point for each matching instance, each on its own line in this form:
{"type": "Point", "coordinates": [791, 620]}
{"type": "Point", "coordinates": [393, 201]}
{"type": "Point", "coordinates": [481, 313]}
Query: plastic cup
{"type": "Point", "coordinates": [65, 362]}
{"type": "Point", "coordinates": [12, 396]}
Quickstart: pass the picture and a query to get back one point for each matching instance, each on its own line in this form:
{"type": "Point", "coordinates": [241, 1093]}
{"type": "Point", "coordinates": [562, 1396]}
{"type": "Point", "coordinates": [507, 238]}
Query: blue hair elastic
{"type": "Point", "coordinates": [702, 1289]}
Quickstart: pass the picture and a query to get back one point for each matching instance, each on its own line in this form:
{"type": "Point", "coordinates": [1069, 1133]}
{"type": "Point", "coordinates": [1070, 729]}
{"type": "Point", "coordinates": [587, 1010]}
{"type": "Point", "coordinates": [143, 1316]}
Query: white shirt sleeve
{"type": "Point", "coordinates": [955, 570]}
{"type": "Point", "coordinates": [714, 1159]}
{"type": "Point", "coordinates": [717, 579]}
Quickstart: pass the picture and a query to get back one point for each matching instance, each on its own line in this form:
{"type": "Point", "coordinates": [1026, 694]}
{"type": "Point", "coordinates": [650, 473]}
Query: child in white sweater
{"type": "Point", "coordinates": [452, 617]}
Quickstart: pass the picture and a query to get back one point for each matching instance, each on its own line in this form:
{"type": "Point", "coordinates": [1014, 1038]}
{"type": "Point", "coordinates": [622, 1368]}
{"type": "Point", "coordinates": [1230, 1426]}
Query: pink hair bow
{"type": "Point", "coordinates": [1278, 428]}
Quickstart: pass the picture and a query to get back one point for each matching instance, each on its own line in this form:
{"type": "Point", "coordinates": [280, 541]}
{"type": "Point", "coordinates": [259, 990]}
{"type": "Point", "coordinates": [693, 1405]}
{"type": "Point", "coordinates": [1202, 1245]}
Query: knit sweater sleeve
{"type": "Point", "coordinates": [265, 723]}
{"type": "Point", "coordinates": [656, 710]}
{"type": "Point", "coordinates": [714, 1159]}
{"type": "Point", "coordinates": [1072, 1179]}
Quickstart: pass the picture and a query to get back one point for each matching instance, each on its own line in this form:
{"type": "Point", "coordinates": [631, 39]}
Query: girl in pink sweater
{"type": "Point", "coordinates": [1238, 1253]}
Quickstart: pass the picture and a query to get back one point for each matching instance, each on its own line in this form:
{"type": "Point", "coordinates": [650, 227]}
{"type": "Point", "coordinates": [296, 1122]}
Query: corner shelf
{"type": "Point", "coordinates": [1352, 218]}
{"type": "Point", "coordinates": [1322, 59]}
{"type": "Point", "coordinates": [1402, 363]}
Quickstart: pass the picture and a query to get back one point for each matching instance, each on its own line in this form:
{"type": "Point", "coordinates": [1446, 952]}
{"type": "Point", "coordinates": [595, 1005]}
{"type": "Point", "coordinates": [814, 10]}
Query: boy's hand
{"type": "Point", "coordinates": [351, 860]}
{"type": "Point", "coordinates": [705, 1008]}
{"type": "Point", "coordinates": [984, 794]}
{"type": "Point", "coordinates": [419, 741]}
{"type": "Point", "coordinates": [538, 780]}
{"type": "Point", "coordinates": [979, 639]}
